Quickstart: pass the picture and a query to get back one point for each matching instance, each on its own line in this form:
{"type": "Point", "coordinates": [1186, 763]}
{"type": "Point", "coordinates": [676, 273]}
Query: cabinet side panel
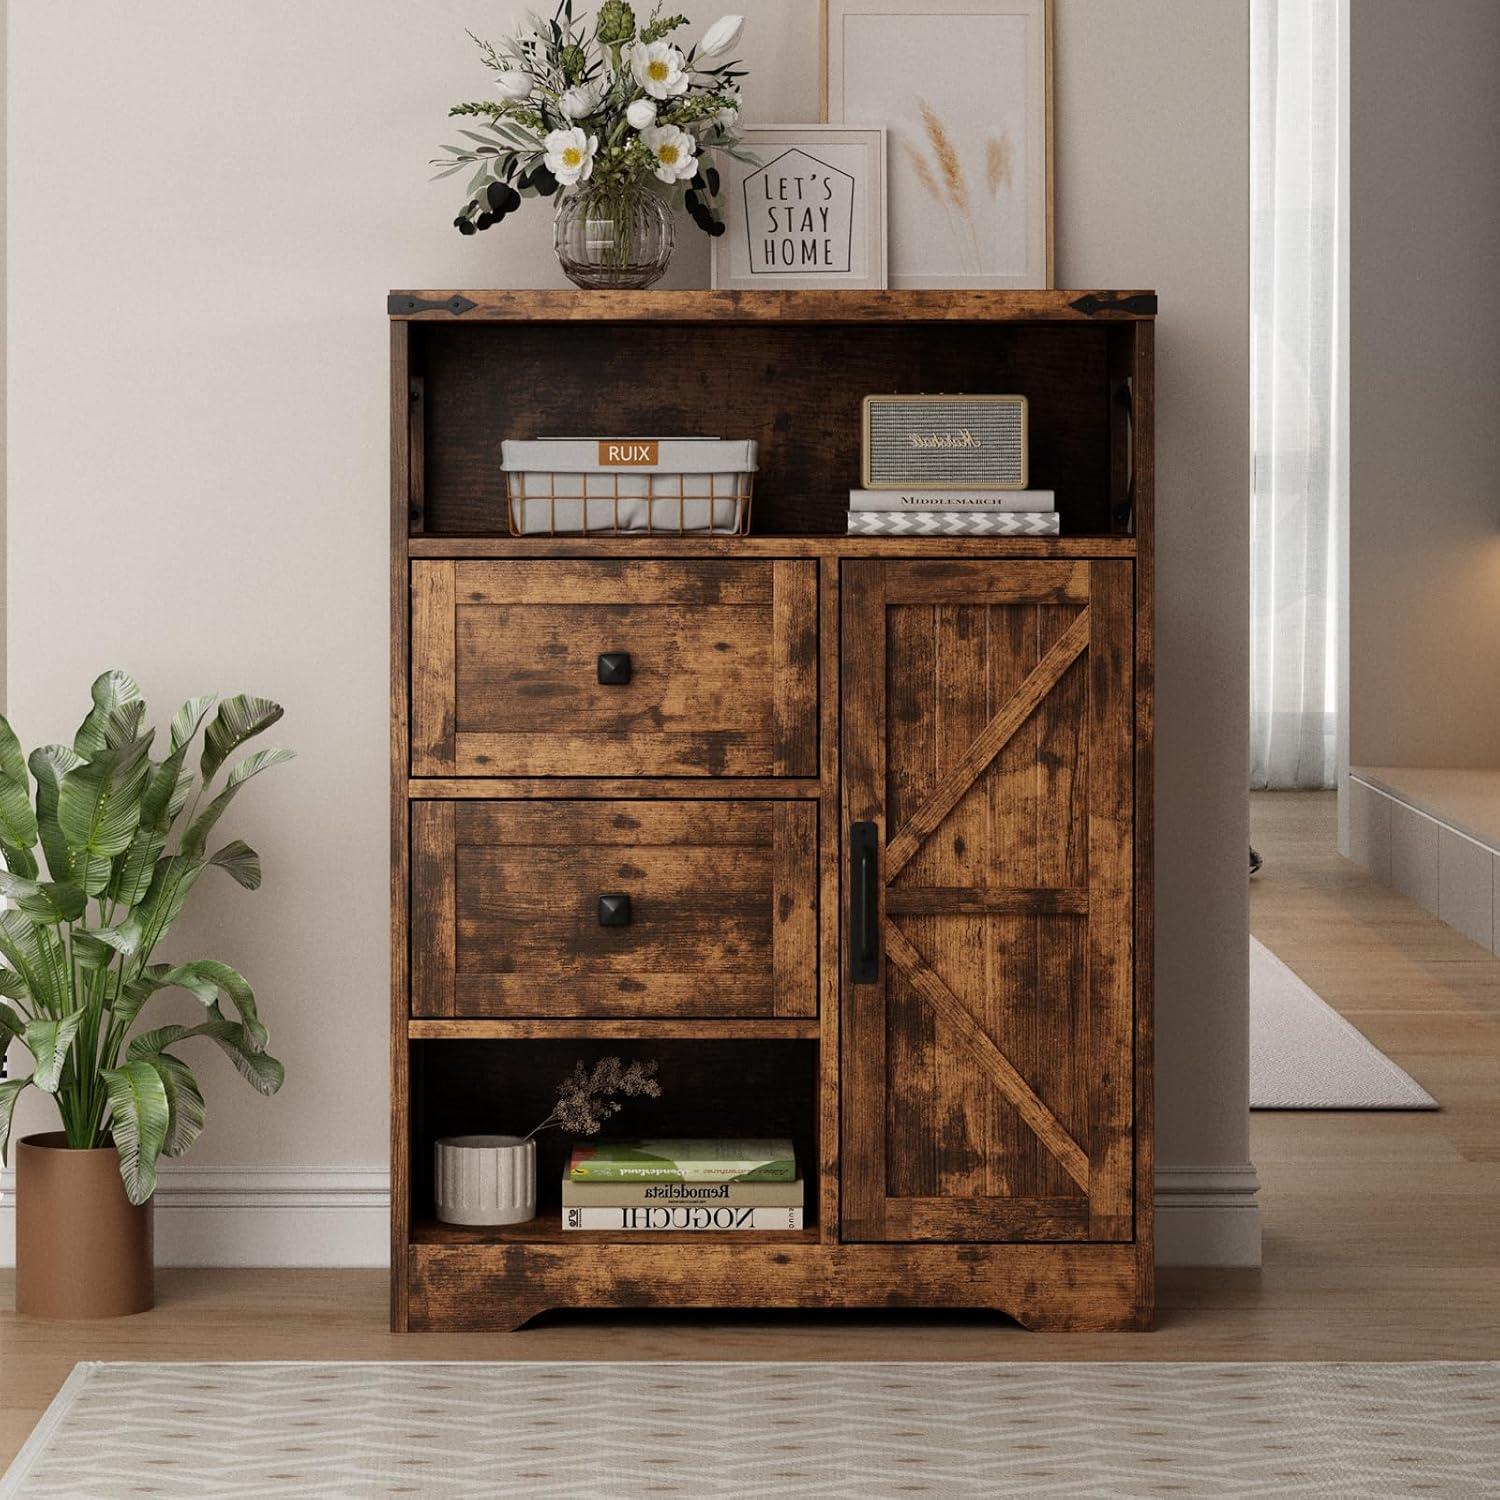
{"type": "Point", "coordinates": [399, 710]}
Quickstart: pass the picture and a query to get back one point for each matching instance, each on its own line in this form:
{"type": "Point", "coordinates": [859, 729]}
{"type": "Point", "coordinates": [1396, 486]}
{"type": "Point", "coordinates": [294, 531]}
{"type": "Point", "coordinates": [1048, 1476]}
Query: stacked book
{"type": "Point", "coordinates": [949, 513]}
{"type": "Point", "coordinates": [709, 1185]}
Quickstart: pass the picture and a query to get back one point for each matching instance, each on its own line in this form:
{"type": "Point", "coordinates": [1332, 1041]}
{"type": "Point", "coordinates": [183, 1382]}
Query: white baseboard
{"type": "Point", "coordinates": [1207, 1216]}
{"type": "Point", "coordinates": [339, 1216]}
{"type": "Point", "coordinates": [257, 1216]}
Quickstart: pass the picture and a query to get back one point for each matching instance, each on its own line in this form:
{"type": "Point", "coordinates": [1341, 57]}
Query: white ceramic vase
{"type": "Point", "coordinates": [486, 1179]}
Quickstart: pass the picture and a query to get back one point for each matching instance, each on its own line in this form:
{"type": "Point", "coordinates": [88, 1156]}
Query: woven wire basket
{"type": "Point", "coordinates": [611, 503]}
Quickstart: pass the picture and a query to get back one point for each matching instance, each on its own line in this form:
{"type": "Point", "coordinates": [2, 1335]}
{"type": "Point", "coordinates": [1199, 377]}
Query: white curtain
{"type": "Point", "coordinates": [1298, 385]}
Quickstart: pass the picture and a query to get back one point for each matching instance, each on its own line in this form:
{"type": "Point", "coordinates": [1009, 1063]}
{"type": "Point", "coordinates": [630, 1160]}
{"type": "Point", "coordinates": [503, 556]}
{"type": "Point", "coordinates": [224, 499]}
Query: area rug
{"type": "Point", "coordinates": [867, 1430]}
{"type": "Point", "coordinates": [1305, 1055]}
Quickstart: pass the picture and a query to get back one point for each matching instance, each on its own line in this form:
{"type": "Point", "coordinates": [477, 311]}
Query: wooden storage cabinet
{"type": "Point", "coordinates": [610, 908]}
{"type": "Point", "coordinates": [878, 810]}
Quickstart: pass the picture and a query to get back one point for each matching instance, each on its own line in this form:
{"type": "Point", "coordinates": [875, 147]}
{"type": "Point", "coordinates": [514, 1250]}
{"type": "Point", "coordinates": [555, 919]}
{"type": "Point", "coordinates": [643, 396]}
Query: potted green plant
{"type": "Point", "coordinates": [125, 838]}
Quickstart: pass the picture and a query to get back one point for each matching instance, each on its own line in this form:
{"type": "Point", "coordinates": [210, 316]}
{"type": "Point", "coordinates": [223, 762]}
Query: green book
{"type": "Point", "coordinates": [684, 1161]}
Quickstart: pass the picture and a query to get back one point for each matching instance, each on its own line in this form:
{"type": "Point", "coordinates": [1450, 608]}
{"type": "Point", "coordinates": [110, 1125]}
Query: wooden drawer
{"type": "Point", "coordinates": [506, 671]}
{"type": "Point", "coordinates": [507, 918]}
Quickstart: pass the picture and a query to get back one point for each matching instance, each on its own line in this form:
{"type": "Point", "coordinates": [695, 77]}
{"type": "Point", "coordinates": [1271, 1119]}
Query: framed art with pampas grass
{"type": "Point", "coordinates": [964, 91]}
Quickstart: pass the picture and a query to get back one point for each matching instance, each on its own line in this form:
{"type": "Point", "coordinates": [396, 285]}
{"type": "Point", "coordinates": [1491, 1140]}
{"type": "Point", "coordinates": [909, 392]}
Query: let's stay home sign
{"type": "Point", "coordinates": [799, 218]}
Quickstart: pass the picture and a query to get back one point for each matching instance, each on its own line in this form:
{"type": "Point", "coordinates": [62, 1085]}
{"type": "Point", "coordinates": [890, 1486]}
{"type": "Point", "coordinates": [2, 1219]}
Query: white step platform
{"type": "Point", "coordinates": [1433, 835]}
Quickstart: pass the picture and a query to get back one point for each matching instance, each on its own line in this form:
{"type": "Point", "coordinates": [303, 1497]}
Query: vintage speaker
{"type": "Point", "coordinates": [945, 443]}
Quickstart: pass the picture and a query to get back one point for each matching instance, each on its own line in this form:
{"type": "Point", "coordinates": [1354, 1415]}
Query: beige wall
{"type": "Point", "coordinates": [1424, 400]}
{"type": "Point", "coordinates": [198, 268]}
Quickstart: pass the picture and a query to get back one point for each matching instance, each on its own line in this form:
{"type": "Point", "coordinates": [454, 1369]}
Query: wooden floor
{"type": "Point", "coordinates": [1382, 1230]}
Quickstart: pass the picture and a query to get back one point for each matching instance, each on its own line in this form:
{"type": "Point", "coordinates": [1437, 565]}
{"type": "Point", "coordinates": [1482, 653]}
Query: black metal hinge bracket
{"type": "Point", "coordinates": [1143, 304]}
{"type": "Point", "coordinates": [403, 303]}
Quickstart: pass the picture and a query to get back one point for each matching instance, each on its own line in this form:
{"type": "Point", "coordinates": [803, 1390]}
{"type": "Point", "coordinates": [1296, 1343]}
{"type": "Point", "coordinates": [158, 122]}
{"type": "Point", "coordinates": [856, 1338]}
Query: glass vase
{"type": "Point", "coordinates": [613, 237]}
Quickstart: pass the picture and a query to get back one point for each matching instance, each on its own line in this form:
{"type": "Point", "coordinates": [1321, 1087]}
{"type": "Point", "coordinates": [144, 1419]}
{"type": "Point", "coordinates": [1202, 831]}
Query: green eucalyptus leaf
{"type": "Point", "coordinates": [241, 862]}
{"type": "Point", "coordinates": [49, 764]}
{"type": "Point", "coordinates": [239, 718]}
{"type": "Point", "coordinates": [185, 1104]}
{"type": "Point", "coordinates": [112, 692]}
{"type": "Point", "coordinates": [48, 1042]}
{"type": "Point", "coordinates": [99, 809]}
{"type": "Point", "coordinates": [196, 837]}
{"type": "Point", "coordinates": [139, 1115]}
{"type": "Point", "coordinates": [10, 1091]}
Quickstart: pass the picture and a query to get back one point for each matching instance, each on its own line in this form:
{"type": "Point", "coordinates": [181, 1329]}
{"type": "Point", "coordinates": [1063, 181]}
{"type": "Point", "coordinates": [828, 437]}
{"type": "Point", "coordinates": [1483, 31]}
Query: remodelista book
{"type": "Point", "coordinates": [980, 500]}
{"type": "Point", "coordinates": [670, 1194]}
{"type": "Point", "coordinates": [684, 1161]}
{"type": "Point", "coordinates": [700, 1217]}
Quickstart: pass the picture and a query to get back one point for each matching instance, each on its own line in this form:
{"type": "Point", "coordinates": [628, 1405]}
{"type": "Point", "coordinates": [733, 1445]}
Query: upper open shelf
{"type": "Point", "coordinates": [789, 369]}
{"type": "Point", "coordinates": [778, 307]}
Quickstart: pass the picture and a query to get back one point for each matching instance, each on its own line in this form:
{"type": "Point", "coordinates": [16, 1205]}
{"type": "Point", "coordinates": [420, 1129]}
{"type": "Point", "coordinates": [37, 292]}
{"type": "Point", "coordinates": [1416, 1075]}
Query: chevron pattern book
{"type": "Point", "coordinates": [951, 523]}
{"type": "Point", "coordinates": [766, 1430]}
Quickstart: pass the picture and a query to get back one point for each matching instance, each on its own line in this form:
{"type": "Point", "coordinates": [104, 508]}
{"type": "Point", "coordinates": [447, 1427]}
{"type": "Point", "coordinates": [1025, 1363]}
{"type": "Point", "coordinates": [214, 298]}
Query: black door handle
{"type": "Point", "coordinates": [864, 903]}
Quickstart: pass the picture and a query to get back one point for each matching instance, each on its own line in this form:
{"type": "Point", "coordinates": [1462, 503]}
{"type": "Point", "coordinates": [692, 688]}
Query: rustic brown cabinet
{"type": "Point", "coordinates": [851, 834]}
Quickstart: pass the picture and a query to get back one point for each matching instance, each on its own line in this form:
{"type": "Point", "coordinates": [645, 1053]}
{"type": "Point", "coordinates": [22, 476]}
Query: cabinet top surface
{"type": "Point", "coordinates": [501, 306]}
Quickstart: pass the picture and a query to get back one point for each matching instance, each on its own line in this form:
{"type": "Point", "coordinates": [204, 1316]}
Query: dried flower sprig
{"type": "Point", "coordinates": [586, 1098]}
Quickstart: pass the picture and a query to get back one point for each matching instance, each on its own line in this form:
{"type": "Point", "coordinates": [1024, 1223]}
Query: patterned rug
{"type": "Point", "coordinates": [751, 1430]}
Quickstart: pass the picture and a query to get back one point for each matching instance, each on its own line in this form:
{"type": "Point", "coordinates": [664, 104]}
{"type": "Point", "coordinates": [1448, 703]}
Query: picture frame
{"type": "Point", "coordinates": [964, 90]}
{"type": "Point", "coordinates": [811, 215]}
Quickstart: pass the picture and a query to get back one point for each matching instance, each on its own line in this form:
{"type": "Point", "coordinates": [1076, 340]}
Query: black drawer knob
{"type": "Point", "coordinates": [614, 668]}
{"type": "Point", "coordinates": [614, 910]}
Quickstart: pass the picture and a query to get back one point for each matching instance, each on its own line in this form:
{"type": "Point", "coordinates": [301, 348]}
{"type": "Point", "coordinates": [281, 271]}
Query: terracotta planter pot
{"type": "Point", "coordinates": [83, 1250]}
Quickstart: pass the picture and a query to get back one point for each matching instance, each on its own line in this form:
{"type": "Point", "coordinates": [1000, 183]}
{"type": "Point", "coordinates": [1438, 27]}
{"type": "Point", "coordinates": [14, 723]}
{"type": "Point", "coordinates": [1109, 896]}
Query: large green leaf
{"type": "Point", "coordinates": [48, 1042]}
{"type": "Point", "coordinates": [123, 726]}
{"type": "Point", "coordinates": [99, 809]}
{"type": "Point", "coordinates": [33, 950]}
{"type": "Point", "coordinates": [162, 904]}
{"type": "Point", "coordinates": [89, 952]}
{"type": "Point", "coordinates": [47, 900]}
{"type": "Point", "coordinates": [113, 693]}
{"type": "Point", "coordinates": [205, 977]}
{"type": "Point", "coordinates": [138, 1118]}
{"type": "Point", "coordinates": [241, 862]}
{"type": "Point", "coordinates": [13, 985]}
{"type": "Point", "coordinates": [10, 1091]}
{"type": "Point", "coordinates": [186, 720]}
{"type": "Point", "coordinates": [196, 837]}
{"type": "Point", "coordinates": [49, 764]}
{"type": "Point", "coordinates": [263, 1072]}
{"type": "Point", "coordinates": [12, 1027]}
{"type": "Point", "coordinates": [18, 830]}
{"type": "Point", "coordinates": [239, 718]}
{"type": "Point", "coordinates": [184, 1101]}
{"type": "Point", "coordinates": [130, 875]}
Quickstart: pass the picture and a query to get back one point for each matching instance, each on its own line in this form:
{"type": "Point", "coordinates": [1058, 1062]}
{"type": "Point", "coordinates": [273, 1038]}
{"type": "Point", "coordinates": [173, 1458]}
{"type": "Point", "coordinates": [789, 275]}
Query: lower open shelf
{"type": "Point", "coordinates": [546, 1229]}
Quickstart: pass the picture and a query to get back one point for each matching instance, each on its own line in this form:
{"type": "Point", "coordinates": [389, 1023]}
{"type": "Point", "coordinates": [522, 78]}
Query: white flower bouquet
{"type": "Point", "coordinates": [612, 112]}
